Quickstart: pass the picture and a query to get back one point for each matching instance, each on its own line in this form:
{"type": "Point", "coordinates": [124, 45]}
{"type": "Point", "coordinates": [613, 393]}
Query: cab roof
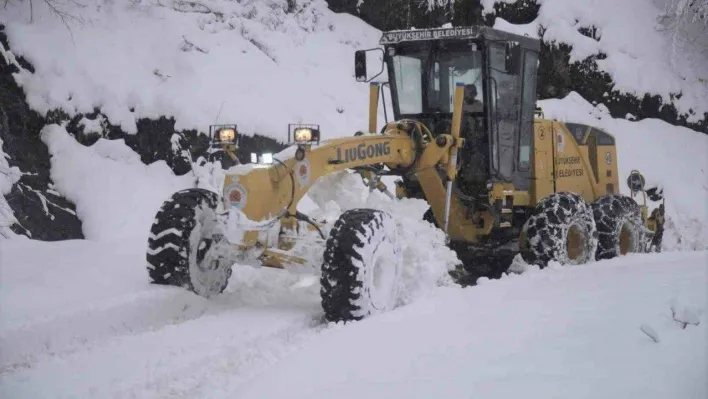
{"type": "Point", "coordinates": [462, 32]}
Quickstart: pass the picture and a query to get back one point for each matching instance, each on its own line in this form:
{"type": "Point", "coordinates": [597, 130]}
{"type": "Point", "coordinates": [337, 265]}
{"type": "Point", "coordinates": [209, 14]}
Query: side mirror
{"type": "Point", "coordinates": [360, 65]}
{"type": "Point", "coordinates": [513, 57]}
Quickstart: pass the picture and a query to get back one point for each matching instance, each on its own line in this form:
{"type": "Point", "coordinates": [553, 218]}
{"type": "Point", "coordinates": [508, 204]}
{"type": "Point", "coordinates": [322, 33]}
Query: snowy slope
{"type": "Point", "coordinates": [251, 62]}
{"type": "Point", "coordinates": [78, 319]}
{"type": "Point", "coordinates": [641, 55]}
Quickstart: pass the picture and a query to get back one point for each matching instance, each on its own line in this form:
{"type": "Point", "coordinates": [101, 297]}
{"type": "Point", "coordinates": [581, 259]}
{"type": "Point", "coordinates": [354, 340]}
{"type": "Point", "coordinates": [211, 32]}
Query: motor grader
{"type": "Point", "coordinates": [466, 137]}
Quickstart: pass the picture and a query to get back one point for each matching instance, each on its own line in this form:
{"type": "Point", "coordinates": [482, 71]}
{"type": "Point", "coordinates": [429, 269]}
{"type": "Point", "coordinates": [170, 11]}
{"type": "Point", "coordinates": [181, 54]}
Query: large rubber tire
{"type": "Point", "coordinates": [619, 225]}
{"type": "Point", "coordinates": [561, 228]}
{"type": "Point", "coordinates": [179, 243]}
{"type": "Point", "coordinates": [362, 266]}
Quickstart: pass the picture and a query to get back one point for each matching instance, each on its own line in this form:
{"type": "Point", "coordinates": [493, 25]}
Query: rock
{"type": "Point", "coordinates": [40, 212]}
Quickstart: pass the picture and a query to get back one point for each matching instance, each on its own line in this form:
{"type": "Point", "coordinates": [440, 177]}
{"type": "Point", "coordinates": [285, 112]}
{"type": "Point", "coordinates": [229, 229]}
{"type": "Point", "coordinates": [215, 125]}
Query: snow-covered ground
{"type": "Point", "coordinates": [80, 320]}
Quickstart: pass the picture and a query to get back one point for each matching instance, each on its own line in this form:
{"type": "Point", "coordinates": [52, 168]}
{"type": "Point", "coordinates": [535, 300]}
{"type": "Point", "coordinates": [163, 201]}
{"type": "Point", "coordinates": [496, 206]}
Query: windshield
{"type": "Point", "coordinates": [423, 87]}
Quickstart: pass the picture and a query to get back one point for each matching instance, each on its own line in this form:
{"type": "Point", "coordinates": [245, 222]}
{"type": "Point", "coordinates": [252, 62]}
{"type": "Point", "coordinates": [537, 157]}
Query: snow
{"type": "Point", "coordinates": [642, 56]}
{"type": "Point", "coordinates": [80, 320]}
{"type": "Point", "coordinates": [256, 65]}
{"type": "Point", "coordinates": [116, 195]}
{"type": "Point", "coordinates": [95, 126]}
{"type": "Point", "coordinates": [556, 333]}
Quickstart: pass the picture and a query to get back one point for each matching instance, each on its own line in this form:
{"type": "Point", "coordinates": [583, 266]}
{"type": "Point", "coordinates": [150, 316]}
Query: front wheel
{"type": "Point", "coordinates": [561, 228]}
{"type": "Point", "coordinates": [362, 266]}
{"type": "Point", "coordinates": [183, 244]}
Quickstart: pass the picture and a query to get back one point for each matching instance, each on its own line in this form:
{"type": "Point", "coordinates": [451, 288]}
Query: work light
{"type": "Point", "coordinates": [227, 134]}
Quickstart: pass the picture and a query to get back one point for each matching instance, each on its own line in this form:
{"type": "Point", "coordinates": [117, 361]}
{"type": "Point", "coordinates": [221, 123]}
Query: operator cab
{"type": "Point", "coordinates": [498, 70]}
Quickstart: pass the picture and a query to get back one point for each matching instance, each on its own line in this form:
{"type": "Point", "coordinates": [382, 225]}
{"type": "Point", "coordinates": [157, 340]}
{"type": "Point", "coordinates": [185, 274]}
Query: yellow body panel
{"type": "Point", "coordinates": [561, 163]}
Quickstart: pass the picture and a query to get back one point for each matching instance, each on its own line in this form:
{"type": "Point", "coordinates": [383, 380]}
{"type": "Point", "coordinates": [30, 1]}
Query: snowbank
{"type": "Point", "coordinates": [116, 195]}
{"type": "Point", "coordinates": [426, 257]}
{"type": "Point", "coordinates": [250, 62]}
{"type": "Point", "coordinates": [561, 332]}
{"type": "Point", "coordinates": [670, 156]}
{"type": "Point", "coordinates": [641, 55]}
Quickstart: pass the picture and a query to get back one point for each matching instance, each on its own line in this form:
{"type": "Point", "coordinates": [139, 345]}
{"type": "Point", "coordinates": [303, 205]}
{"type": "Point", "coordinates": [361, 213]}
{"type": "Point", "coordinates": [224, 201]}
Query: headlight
{"type": "Point", "coordinates": [268, 158]}
{"type": "Point", "coordinates": [303, 134]}
{"type": "Point", "coordinates": [227, 134]}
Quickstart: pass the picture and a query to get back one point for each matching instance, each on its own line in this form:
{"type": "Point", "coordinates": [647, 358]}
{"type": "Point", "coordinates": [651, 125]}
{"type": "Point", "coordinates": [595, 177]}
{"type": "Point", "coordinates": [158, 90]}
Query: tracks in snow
{"type": "Point", "coordinates": [80, 320]}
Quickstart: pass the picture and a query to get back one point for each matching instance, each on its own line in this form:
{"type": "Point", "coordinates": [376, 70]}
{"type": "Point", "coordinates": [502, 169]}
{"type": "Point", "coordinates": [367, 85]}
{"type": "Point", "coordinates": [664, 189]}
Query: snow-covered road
{"type": "Point", "coordinates": [78, 319]}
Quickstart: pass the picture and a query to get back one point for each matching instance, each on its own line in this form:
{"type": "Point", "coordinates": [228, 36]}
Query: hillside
{"type": "Point", "coordinates": [260, 64]}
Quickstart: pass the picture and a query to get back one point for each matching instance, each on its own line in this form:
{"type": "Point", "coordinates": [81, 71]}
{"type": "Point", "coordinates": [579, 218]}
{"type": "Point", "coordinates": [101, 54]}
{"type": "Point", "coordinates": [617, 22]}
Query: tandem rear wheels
{"type": "Point", "coordinates": [565, 229]}
{"type": "Point", "coordinates": [562, 229]}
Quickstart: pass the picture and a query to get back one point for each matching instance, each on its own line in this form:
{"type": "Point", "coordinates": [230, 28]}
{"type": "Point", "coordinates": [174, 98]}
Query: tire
{"type": "Point", "coordinates": [619, 225]}
{"type": "Point", "coordinates": [561, 228]}
{"type": "Point", "coordinates": [362, 266]}
{"type": "Point", "coordinates": [179, 243]}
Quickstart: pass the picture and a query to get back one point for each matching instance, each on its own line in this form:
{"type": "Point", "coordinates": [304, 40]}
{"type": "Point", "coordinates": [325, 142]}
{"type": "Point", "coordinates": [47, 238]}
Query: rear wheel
{"type": "Point", "coordinates": [182, 244]}
{"type": "Point", "coordinates": [619, 225]}
{"type": "Point", "coordinates": [561, 228]}
{"type": "Point", "coordinates": [362, 266]}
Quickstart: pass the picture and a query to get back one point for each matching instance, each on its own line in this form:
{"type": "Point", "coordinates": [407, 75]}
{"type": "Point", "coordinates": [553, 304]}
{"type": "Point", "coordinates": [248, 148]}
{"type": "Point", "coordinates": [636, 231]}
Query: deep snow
{"type": "Point", "coordinates": [80, 320]}
{"type": "Point", "coordinates": [559, 333]}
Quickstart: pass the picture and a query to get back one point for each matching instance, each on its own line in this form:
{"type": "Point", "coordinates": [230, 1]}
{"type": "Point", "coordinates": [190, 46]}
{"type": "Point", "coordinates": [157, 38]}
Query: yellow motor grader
{"type": "Point", "coordinates": [466, 137]}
